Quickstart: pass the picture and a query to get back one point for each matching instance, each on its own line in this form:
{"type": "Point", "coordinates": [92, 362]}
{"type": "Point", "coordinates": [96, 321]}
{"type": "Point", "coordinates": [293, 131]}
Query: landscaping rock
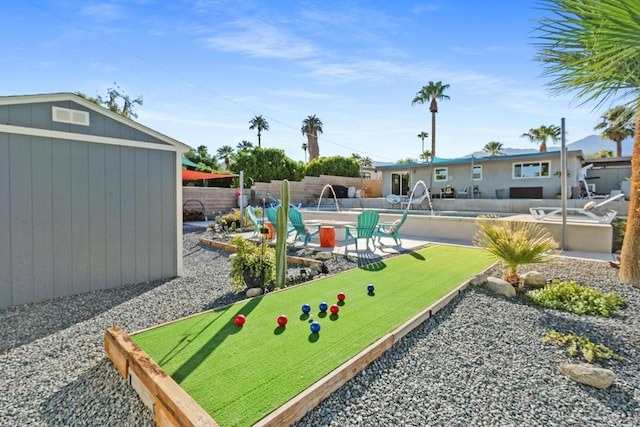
{"type": "Point", "coordinates": [478, 279]}
{"type": "Point", "coordinates": [534, 279]}
{"type": "Point", "coordinates": [323, 255]}
{"type": "Point", "coordinates": [254, 292]}
{"type": "Point", "coordinates": [500, 286]}
{"type": "Point", "coordinates": [588, 374]}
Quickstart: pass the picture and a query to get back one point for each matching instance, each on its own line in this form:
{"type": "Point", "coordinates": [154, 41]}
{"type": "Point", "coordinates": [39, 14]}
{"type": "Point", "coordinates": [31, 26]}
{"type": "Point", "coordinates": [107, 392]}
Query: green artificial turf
{"type": "Point", "coordinates": [239, 375]}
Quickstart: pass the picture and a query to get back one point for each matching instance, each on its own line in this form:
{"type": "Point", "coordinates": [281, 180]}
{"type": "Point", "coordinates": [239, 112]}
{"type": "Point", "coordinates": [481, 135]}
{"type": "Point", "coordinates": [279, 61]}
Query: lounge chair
{"type": "Point", "coordinates": [273, 219]}
{"type": "Point", "coordinates": [302, 229]}
{"type": "Point", "coordinates": [366, 225]}
{"type": "Point", "coordinates": [416, 201]}
{"type": "Point", "coordinates": [436, 192]}
{"type": "Point", "coordinates": [393, 199]}
{"type": "Point", "coordinates": [592, 210]}
{"type": "Point", "coordinates": [254, 218]}
{"type": "Point", "coordinates": [390, 229]}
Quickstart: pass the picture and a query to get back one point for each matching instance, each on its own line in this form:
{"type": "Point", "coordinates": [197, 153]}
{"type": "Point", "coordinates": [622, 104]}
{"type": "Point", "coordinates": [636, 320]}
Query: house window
{"type": "Point", "coordinates": [400, 183]}
{"type": "Point", "coordinates": [477, 173]}
{"type": "Point", "coordinates": [441, 174]}
{"type": "Point", "coordinates": [531, 170]}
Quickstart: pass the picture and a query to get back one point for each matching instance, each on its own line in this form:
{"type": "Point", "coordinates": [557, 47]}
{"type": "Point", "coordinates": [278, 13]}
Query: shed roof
{"type": "Point", "coordinates": [68, 96]}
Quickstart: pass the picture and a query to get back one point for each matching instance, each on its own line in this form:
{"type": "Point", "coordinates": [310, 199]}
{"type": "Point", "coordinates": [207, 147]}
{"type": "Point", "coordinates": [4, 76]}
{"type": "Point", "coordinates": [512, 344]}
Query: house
{"type": "Point", "coordinates": [528, 175]}
{"type": "Point", "coordinates": [90, 200]}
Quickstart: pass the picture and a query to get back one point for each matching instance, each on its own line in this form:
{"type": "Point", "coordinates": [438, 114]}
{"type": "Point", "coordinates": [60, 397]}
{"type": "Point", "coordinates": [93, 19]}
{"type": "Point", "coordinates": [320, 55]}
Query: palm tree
{"type": "Point", "coordinates": [310, 127]}
{"type": "Point", "coordinates": [260, 123]}
{"type": "Point", "coordinates": [591, 47]}
{"type": "Point", "coordinates": [244, 146]}
{"type": "Point", "coordinates": [541, 135]}
{"type": "Point", "coordinates": [422, 135]}
{"type": "Point", "coordinates": [305, 147]}
{"type": "Point", "coordinates": [225, 153]}
{"type": "Point", "coordinates": [616, 125]}
{"type": "Point", "coordinates": [425, 155]}
{"type": "Point", "coordinates": [603, 153]}
{"type": "Point", "coordinates": [494, 148]}
{"type": "Point", "coordinates": [431, 93]}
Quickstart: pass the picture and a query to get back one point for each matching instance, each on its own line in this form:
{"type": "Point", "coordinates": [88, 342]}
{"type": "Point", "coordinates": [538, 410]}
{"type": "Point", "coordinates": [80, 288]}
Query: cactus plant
{"type": "Point", "coordinates": [282, 217]}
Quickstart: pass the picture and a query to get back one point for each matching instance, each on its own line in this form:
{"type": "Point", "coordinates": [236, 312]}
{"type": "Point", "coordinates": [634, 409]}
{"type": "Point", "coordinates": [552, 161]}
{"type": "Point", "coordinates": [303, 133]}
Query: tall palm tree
{"type": "Point", "coordinates": [305, 147]}
{"type": "Point", "coordinates": [494, 148]}
{"type": "Point", "coordinates": [422, 135]}
{"type": "Point", "coordinates": [616, 125]}
{"type": "Point", "coordinates": [592, 47]}
{"type": "Point", "coordinates": [542, 134]}
{"type": "Point", "coordinates": [244, 146]}
{"type": "Point", "coordinates": [260, 123]}
{"type": "Point", "coordinates": [225, 153]}
{"type": "Point", "coordinates": [431, 93]}
{"type": "Point", "coordinates": [311, 126]}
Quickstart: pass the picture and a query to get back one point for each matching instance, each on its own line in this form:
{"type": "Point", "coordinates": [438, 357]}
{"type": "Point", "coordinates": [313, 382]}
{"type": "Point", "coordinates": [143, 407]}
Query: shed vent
{"type": "Point", "coordinates": [66, 115]}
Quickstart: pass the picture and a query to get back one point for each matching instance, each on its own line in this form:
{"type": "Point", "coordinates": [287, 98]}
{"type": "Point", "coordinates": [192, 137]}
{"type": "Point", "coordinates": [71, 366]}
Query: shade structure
{"type": "Point", "coordinates": [188, 175]}
{"type": "Point", "coordinates": [187, 162]}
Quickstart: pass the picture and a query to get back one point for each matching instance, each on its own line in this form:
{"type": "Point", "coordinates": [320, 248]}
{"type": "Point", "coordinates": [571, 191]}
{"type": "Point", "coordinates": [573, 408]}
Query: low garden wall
{"type": "Point", "coordinates": [222, 200]}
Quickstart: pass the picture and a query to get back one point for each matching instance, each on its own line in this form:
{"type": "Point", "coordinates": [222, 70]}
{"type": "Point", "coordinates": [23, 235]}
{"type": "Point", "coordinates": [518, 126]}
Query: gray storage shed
{"type": "Point", "coordinates": [89, 200]}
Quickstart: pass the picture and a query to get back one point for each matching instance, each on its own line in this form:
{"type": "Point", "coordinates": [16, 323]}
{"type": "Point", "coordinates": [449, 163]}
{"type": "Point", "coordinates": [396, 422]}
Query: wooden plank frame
{"type": "Point", "coordinates": [172, 406]}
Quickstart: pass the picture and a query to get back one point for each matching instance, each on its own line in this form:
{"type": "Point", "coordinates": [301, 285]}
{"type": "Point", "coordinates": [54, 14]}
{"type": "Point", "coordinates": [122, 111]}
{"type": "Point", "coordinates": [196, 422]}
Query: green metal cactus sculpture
{"type": "Point", "coordinates": [282, 218]}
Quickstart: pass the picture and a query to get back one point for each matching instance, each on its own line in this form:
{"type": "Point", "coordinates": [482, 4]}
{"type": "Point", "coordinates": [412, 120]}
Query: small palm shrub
{"type": "Point", "coordinates": [253, 265]}
{"type": "Point", "coordinates": [578, 346]}
{"type": "Point", "coordinates": [514, 243]}
{"type": "Point", "coordinates": [569, 296]}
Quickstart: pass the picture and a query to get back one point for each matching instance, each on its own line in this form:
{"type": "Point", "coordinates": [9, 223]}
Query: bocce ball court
{"type": "Point", "coordinates": [206, 370]}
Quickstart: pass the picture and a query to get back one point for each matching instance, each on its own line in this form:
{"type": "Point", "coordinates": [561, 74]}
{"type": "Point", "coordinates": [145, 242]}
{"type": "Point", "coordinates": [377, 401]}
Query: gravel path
{"type": "Point", "coordinates": [478, 362]}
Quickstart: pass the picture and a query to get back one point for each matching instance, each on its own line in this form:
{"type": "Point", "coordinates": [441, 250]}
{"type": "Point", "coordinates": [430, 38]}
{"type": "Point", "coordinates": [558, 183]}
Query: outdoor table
{"type": "Point", "coordinates": [339, 226]}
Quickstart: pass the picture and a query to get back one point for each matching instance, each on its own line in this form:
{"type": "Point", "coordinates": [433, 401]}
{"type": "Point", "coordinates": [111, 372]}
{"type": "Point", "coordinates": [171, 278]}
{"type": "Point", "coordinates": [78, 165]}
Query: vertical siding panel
{"type": "Point", "coordinates": [62, 260]}
{"type": "Point", "coordinates": [21, 219]}
{"type": "Point", "coordinates": [168, 229]}
{"type": "Point", "coordinates": [128, 219]}
{"type": "Point", "coordinates": [6, 297]}
{"type": "Point", "coordinates": [113, 217]}
{"type": "Point", "coordinates": [97, 217]}
{"type": "Point", "coordinates": [142, 214]}
{"type": "Point", "coordinates": [155, 215]}
{"type": "Point", "coordinates": [42, 218]}
{"type": "Point", "coordinates": [80, 217]}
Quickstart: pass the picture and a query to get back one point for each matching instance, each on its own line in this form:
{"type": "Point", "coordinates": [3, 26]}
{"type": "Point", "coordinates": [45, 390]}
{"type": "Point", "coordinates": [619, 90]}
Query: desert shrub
{"type": "Point", "coordinates": [578, 346]}
{"type": "Point", "coordinates": [514, 243]}
{"type": "Point", "coordinates": [251, 262]}
{"type": "Point", "coordinates": [569, 296]}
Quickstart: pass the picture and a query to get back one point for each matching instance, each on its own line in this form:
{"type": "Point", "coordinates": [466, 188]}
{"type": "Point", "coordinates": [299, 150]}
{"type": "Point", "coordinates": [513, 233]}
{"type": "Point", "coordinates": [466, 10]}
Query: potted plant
{"type": "Point", "coordinates": [253, 265]}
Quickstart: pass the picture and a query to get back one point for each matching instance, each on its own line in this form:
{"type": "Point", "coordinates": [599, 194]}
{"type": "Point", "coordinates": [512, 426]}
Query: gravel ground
{"type": "Point", "coordinates": [479, 361]}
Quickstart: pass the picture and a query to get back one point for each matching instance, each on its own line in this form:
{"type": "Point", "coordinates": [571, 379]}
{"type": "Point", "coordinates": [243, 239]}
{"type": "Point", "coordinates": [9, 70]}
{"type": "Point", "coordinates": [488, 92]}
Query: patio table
{"type": "Point", "coordinates": [340, 230]}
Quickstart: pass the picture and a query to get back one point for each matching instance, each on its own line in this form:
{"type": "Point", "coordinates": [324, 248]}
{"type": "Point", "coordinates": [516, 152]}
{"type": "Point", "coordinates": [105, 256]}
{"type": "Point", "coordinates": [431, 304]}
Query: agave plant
{"type": "Point", "coordinates": [515, 244]}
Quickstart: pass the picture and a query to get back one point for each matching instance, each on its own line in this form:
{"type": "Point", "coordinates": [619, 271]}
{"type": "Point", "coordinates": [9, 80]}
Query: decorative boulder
{"type": "Point", "coordinates": [478, 279]}
{"type": "Point", "coordinates": [500, 286]}
{"type": "Point", "coordinates": [534, 279]}
{"type": "Point", "coordinates": [323, 255]}
{"type": "Point", "coordinates": [588, 374]}
{"type": "Point", "coordinates": [254, 292]}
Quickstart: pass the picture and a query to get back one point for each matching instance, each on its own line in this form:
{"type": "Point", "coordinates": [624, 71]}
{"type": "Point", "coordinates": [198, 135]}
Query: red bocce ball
{"type": "Point", "coordinates": [341, 296]}
{"type": "Point", "coordinates": [282, 320]}
{"type": "Point", "coordinates": [334, 309]}
{"type": "Point", "coordinates": [240, 319]}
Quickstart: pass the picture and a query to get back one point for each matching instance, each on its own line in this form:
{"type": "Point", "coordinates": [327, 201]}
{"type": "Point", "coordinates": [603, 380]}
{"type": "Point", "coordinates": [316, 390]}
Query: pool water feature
{"type": "Point", "coordinates": [334, 197]}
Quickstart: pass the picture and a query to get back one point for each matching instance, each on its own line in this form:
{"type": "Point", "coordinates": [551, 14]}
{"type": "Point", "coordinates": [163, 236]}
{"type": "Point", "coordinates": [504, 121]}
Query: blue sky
{"type": "Point", "coordinates": [205, 67]}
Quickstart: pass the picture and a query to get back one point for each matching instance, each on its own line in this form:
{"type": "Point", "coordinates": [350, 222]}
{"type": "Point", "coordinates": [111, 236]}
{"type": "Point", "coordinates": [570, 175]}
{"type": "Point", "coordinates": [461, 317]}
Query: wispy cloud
{"type": "Point", "coordinates": [259, 39]}
{"type": "Point", "coordinates": [103, 11]}
{"type": "Point", "coordinates": [299, 94]}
